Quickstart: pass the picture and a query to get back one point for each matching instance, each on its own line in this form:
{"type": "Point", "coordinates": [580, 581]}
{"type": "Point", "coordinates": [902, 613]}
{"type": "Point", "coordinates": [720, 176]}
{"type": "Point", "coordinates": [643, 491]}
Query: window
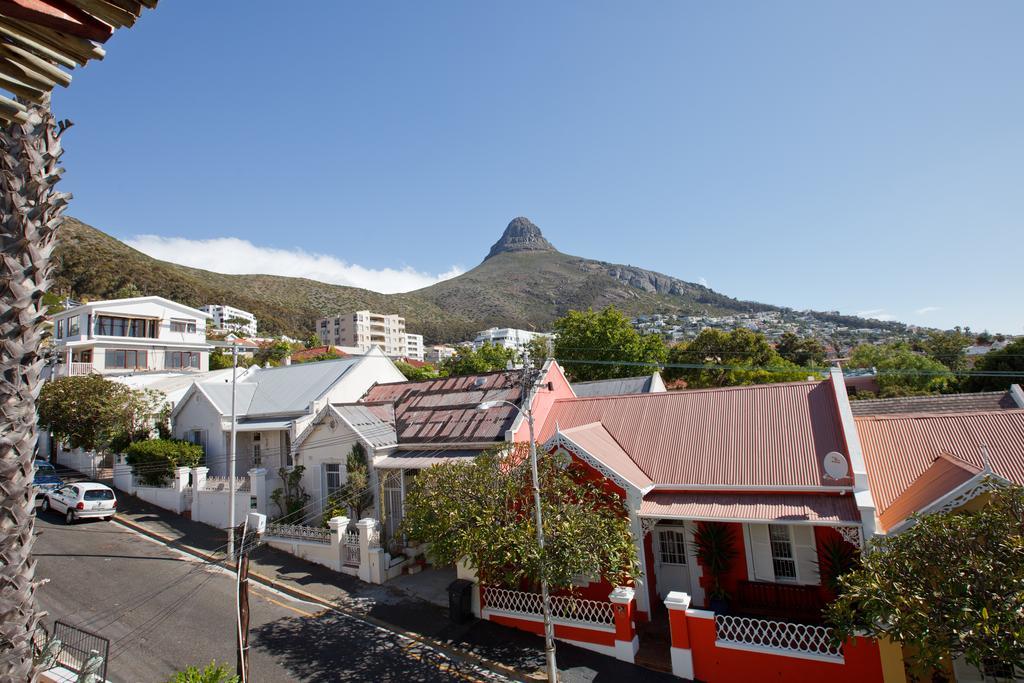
{"type": "Point", "coordinates": [125, 327]}
{"type": "Point", "coordinates": [198, 437]}
{"type": "Point", "coordinates": [332, 479]}
{"type": "Point", "coordinates": [98, 494]}
{"type": "Point", "coordinates": [286, 438]}
{"type": "Point", "coordinates": [128, 360]}
{"type": "Point", "coordinates": [257, 448]}
{"type": "Point", "coordinates": [181, 359]}
{"type": "Point", "coordinates": [183, 326]}
{"type": "Point", "coordinates": [60, 329]}
{"type": "Point", "coordinates": [673, 547]}
{"type": "Point", "coordinates": [783, 560]}
{"type": "Point", "coordinates": [73, 326]}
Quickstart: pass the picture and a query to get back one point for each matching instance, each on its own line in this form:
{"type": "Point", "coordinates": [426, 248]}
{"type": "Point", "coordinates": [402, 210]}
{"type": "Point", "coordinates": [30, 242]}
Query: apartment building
{"type": "Point", "coordinates": [435, 355]}
{"type": "Point", "coordinates": [509, 337]}
{"type": "Point", "coordinates": [123, 336]}
{"type": "Point", "coordinates": [414, 346]}
{"type": "Point", "coordinates": [364, 330]}
{"type": "Point", "coordinates": [230, 318]}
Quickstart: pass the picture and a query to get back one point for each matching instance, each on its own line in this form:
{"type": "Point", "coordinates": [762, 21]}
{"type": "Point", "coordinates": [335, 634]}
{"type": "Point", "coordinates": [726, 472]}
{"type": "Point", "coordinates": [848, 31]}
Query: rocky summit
{"type": "Point", "coordinates": [520, 235]}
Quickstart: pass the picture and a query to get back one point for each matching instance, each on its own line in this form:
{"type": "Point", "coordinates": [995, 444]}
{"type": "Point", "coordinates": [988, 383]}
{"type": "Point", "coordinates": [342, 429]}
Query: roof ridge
{"type": "Point", "coordinates": [927, 397]}
{"type": "Point", "coordinates": [686, 392]}
{"type": "Point", "coordinates": [930, 415]}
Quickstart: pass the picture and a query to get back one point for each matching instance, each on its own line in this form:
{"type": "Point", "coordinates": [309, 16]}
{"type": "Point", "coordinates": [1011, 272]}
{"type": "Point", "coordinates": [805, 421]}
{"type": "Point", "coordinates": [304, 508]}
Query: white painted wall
{"type": "Point", "coordinates": [198, 413]}
{"type": "Point", "coordinates": [324, 445]}
{"type": "Point", "coordinates": [162, 496]}
{"type": "Point", "coordinates": [211, 507]}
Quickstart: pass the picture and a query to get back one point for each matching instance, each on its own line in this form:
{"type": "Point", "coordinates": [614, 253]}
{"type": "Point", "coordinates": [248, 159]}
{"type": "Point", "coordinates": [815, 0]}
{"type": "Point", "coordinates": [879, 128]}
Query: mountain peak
{"type": "Point", "coordinates": [520, 235]}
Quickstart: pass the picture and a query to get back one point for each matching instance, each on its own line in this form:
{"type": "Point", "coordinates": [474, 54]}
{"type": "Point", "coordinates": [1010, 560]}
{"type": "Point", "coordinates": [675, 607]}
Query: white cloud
{"type": "Point", "coordinates": [238, 256]}
{"type": "Point", "coordinates": [876, 314]}
{"type": "Point", "coordinates": [703, 281]}
{"type": "Point", "coordinates": [927, 309]}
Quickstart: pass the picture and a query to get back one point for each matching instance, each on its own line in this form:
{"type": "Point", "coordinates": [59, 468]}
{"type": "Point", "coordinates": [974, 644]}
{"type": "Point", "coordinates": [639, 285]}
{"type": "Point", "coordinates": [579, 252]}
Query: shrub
{"type": "Point", "coordinates": [154, 461]}
{"type": "Point", "coordinates": [213, 673]}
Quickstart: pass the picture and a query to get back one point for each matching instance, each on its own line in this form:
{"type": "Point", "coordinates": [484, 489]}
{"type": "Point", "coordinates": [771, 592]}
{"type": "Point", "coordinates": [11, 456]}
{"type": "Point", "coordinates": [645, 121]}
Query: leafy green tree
{"type": "Point", "coordinates": [312, 341]}
{"type": "Point", "coordinates": [219, 360]}
{"type": "Point", "coordinates": [901, 371]}
{"type": "Point", "coordinates": [948, 348]}
{"type": "Point", "coordinates": [273, 353]}
{"type": "Point", "coordinates": [482, 512]}
{"type": "Point", "coordinates": [154, 461]}
{"type": "Point", "coordinates": [608, 338]}
{"type": "Point", "coordinates": [90, 412]}
{"type": "Point", "coordinates": [129, 290]}
{"type": "Point", "coordinates": [292, 497]}
{"type": "Point", "coordinates": [950, 585]}
{"type": "Point", "coordinates": [739, 357]}
{"type": "Point", "coordinates": [1008, 359]}
{"type": "Point", "coordinates": [802, 351]}
{"type": "Point", "coordinates": [355, 497]}
{"type": "Point", "coordinates": [213, 673]}
{"type": "Point", "coordinates": [488, 358]}
{"type": "Point", "coordinates": [415, 374]}
{"type": "Point", "coordinates": [538, 350]}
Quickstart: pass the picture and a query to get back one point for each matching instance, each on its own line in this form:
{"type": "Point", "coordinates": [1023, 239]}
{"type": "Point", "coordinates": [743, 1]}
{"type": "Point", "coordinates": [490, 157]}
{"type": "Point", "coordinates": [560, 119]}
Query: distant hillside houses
{"type": "Point", "coordinates": [507, 337]}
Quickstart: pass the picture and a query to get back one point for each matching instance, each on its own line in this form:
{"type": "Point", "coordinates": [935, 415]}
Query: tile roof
{"type": "Point", "coordinates": [765, 435]}
{"type": "Point", "coordinates": [944, 403]}
{"type": "Point", "coordinates": [281, 390]}
{"type": "Point", "coordinates": [595, 440]}
{"type": "Point", "coordinates": [776, 507]}
{"type": "Point", "coordinates": [614, 387]}
{"type": "Point", "coordinates": [444, 409]}
{"type": "Point", "coordinates": [942, 476]}
{"type": "Point", "coordinates": [898, 449]}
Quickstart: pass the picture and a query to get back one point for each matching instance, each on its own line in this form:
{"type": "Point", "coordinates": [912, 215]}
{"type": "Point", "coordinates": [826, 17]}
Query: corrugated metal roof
{"type": "Point", "coordinates": [898, 449]}
{"type": "Point", "coordinates": [444, 409]}
{"type": "Point", "coordinates": [262, 425]}
{"type": "Point", "coordinates": [765, 435]}
{"type": "Point", "coordinates": [595, 440]}
{"type": "Point", "coordinates": [418, 460]}
{"type": "Point", "coordinates": [273, 391]}
{"type": "Point", "coordinates": [943, 476]}
{"type": "Point", "coordinates": [946, 403]}
{"type": "Point", "coordinates": [371, 427]}
{"type": "Point", "coordinates": [788, 508]}
{"type": "Point", "coordinates": [613, 387]}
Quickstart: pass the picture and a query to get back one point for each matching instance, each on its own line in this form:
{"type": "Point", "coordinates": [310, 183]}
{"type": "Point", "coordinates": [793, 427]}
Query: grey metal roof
{"type": "Point", "coordinates": [377, 432]}
{"type": "Point", "coordinates": [418, 460]}
{"type": "Point", "coordinates": [614, 387]}
{"type": "Point", "coordinates": [276, 391]}
{"type": "Point", "coordinates": [942, 403]}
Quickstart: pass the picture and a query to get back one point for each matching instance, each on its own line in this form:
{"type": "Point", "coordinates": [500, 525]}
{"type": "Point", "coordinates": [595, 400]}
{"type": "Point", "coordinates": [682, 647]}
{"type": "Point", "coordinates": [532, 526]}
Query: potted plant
{"type": "Point", "coordinates": [716, 550]}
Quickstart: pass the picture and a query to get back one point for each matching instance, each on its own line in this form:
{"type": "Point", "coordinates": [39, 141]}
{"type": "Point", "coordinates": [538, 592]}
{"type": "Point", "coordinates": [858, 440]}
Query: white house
{"type": "Point", "coordinates": [121, 336]}
{"type": "Point", "coordinates": [230, 318]}
{"type": "Point", "coordinates": [414, 346]}
{"type": "Point", "coordinates": [273, 406]}
{"type": "Point", "coordinates": [508, 337]}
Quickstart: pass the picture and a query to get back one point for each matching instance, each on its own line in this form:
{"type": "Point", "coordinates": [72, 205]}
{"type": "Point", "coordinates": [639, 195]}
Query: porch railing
{"type": "Point", "coordinates": [565, 607]}
{"type": "Point", "coordinates": [761, 598]}
{"type": "Point", "coordinates": [299, 532]}
{"type": "Point", "coordinates": [79, 369]}
{"type": "Point", "coordinates": [777, 635]}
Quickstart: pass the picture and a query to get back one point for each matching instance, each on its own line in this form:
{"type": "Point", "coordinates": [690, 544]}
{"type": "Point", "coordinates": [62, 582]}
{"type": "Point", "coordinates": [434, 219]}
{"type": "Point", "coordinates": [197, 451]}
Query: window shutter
{"type": "Point", "coordinates": [761, 551]}
{"type": "Point", "coordinates": [806, 551]}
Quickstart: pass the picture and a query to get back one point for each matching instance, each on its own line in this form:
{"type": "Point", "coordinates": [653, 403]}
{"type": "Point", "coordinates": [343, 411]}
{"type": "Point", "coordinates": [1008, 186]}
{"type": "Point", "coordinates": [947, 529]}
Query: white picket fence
{"type": "Point", "coordinates": [777, 635]}
{"type": "Point", "coordinates": [565, 608]}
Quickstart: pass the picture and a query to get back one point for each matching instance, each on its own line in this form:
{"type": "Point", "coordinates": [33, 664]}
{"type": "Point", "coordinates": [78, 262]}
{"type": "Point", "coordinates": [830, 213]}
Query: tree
{"type": "Point", "coordinates": [739, 357]}
{"type": "Point", "coordinates": [355, 496]}
{"type": "Point", "coordinates": [290, 498]}
{"type": "Point", "coordinates": [220, 360]}
{"type": "Point", "coordinates": [312, 341]}
{"type": "Point", "coordinates": [213, 673]}
{"type": "Point", "coordinates": [31, 212]}
{"type": "Point", "coordinates": [153, 461]}
{"type": "Point", "coordinates": [1008, 359]}
{"type": "Point", "coordinates": [488, 358]}
{"type": "Point", "coordinates": [948, 348]}
{"type": "Point", "coordinates": [609, 339]}
{"type": "Point", "coordinates": [950, 585]}
{"type": "Point", "coordinates": [274, 352]}
{"type": "Point", "coordinates": [802, 351]}
{"type": "Point", "coordinates": [416, 374]}
{"type": "Point", "coordinates": [538, 350]}
{"type": "Point", "coordinates": [89, 412]}
{"type": "Point", "coordinates": [901, 372]}
{"type": "Point", "coordinates": [127, 291]}
{"type": "Point", "coordinates": [482, 512]}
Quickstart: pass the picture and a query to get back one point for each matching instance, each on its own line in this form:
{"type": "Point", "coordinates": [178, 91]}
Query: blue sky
{"type": "Point", "coordinates": [866, 157]}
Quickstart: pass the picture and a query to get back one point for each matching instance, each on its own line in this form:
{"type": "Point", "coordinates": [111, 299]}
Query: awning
{"type": "Point", "coordinates": [739, 507]}
{"type": "Point", "coordinates": [259, 425]}
{"type": "Point", "coordinates": [418, 460]}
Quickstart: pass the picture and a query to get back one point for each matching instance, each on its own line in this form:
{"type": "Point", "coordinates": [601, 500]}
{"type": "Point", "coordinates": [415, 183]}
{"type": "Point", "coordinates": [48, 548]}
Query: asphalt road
{"type": "Point", "coordinates": [163, 611]}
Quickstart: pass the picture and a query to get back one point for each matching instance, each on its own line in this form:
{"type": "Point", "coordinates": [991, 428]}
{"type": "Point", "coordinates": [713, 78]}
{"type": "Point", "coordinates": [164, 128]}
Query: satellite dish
{"type": "Point", "coordinates": [836, 466]}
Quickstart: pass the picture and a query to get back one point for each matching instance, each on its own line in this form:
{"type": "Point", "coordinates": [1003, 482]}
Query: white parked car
{"type": "Point", "coordinates": [82, 500]}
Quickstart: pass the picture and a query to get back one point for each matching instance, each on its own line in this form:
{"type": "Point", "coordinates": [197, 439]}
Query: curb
{"type": "Point", "coordinates": [446, 650]}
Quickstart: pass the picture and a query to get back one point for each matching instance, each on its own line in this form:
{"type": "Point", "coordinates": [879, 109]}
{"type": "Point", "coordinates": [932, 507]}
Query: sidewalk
{"type": "Point", "coordinates": [510, 651]}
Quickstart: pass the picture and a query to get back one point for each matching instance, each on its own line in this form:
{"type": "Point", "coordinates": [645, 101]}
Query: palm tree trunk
{"type": "Point", "coordinates": [31, 210]}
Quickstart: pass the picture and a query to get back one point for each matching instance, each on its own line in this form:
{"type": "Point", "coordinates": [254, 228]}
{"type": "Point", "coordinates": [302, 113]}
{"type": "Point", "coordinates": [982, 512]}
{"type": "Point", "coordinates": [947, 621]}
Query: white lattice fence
{"type": "Point", "coordinates": [224, 484]}
{"type": "Point", "coordinates": [777, 635]}
{"type": "Point", "coordinates": [564, 607]}
{"type": "Point", "coordinates": [299, 532]}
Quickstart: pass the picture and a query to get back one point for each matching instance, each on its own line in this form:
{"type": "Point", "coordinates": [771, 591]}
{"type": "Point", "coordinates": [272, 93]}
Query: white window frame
{"type": "Point", "coordinates": [788, 529]}
{"type": "Point", "coordinates": [326, 474]}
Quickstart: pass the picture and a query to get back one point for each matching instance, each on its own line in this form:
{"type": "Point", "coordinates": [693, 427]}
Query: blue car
{"type": "Point", "coordinates": [46, 478]}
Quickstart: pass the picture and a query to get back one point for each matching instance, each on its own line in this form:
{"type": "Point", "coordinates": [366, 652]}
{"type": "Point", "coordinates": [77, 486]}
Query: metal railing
{"type": "Point", "coordinates": [350, 549]}
{"type": "Point", "coordinates": [564, 607]}
{"type": "Point", "coordinates": [224, 484]}
{"type": "Point", "coordinates": [777, 635]}
{"type": "Point", "coordinates": [78, 645]}
{"type": "Point", "coordinates": [300, 532]}
{"type": "Point", "coordinates": [79, 369]}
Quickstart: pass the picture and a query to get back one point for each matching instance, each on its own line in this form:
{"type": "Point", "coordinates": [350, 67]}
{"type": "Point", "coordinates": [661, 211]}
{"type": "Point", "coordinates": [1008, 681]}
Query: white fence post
{"type": "Point", "coordinates": [198, 483]}
{"type": "Point", "coordinates": [123, 478]}
{"type": "Point", "coordinates": [338, 526]}
{"type": "Point", "coordinates": [371, 555]}
{"type": "Point", "coordinates": [258, 488]}
{"type": "Point", "coordinates": [627, 643]}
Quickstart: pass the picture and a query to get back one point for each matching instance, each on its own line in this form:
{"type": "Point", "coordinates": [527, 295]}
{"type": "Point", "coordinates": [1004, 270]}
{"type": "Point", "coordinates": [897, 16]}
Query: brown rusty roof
{"type": "Point", "coordinates": [899, 448]}
{"type": "Point", "coordinates": [766, 435]}
{"type": "Point", "coordinates": [775, 507]}
{"type": "Point", "coordinates": [947, 403]}
{"type": "Point", "coordinates": [443, 410]}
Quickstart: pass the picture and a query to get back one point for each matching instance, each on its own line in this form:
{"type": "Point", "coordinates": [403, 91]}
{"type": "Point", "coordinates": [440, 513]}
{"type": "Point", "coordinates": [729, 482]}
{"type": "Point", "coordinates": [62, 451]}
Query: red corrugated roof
{"type": "Point", "coordinates": [444, 409]}
{"type": "Point", "coordinates": [781, 507]}
{"type": "Point", "coordinates": [595, 440]}
{"type": "Point", "coordinates": [944, 475]}
{"type": "Point", "coordinates": [766, 435]}
{"type": "Point", "coordinates": [899, 448]}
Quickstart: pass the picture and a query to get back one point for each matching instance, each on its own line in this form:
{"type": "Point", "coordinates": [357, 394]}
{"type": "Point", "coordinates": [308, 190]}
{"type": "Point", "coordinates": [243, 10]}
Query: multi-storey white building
{"type": "Point", "coordinates": [414, 346]}
{"type": "Point", "coordinates": [436, 355]}
{"type": "Point", "coordinates": [121, 336]}
{"type": "Point", "coordinates": [509, 337]}
{"type": "Point", "coordinates": [231, 318]}
{"type": "Point", "coordinates": [364, 330]}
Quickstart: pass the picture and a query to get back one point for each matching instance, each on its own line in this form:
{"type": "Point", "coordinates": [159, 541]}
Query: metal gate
{"type": "Point", "coordinates": [350, 547]}
{"type": "Point", "coordinates": [77, 645]}
{"type": "Point", "coordinates": [393, 486]}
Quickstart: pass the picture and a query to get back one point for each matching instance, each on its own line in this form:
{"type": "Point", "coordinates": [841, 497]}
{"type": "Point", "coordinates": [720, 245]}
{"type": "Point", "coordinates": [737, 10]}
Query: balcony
{"type": "Point", "coordinates": [75, 369]}
{"type": "Point", "coordinates": [761, 598]}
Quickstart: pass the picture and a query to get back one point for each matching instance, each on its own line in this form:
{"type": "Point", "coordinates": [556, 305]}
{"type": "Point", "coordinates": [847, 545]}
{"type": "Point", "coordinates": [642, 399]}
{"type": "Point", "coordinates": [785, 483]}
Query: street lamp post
{"type": "Point", "coordinates": [549, 629]}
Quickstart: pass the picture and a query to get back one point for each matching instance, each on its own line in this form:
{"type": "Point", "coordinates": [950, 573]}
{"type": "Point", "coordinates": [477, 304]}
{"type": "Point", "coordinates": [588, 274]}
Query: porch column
{"type": "Point", "coordinates": [677, 603]}
{"type": "Point", "coordinates": [626, 640]}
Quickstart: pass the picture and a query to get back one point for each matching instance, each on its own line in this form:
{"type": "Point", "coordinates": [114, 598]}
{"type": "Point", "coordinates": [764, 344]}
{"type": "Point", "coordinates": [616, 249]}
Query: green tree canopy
{"type": "Point", "coordinates": [537, 351]}
{"type": "Point", "coordinates": [952, 584]}
{"type": "Point", "coordinates": [154, 461]}
{"type": "Point", "coordinates": [89, 412]}
{"type": "Point", "coordinates": [609, 338]}
{"type": "Point", "coordinates": [901, 371]}
{"type": "Point", "coordinates": [1008, 359]}
{"type": "Point", "coordinates": [488, 358]}
{"type": "Point", "coordinates": [312, 341]}
{"type": "Point", "coordinates": [273, 353]}
{"type": "Point", "coordinates": [415, 374]}
{"type": "Point", "coordinates": [948, 348]}
{"type": "Point", "coordinates": [483, 512]}
{"type": "Point", "coordinates": [802, 351]}
{"type": "Point", "coordinates": [356, 496]}
{"type": "Point", "coordinates": [745, 358]}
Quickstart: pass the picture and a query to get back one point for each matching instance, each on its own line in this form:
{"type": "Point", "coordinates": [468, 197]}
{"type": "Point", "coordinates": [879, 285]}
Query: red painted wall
{"type": "Point", "coordinates": [713, 664]}
{"type": "Point", "coordinates": [738, 571]}
{"type": "Point", "coordinates": [543, 401]}
{"type": "Point", "coordinates": [823, 535]}
{"type": "Point", "coordinates": [585, 635]}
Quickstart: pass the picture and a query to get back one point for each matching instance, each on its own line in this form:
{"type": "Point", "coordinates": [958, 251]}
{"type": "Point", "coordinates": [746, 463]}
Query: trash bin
{"type": "Point", "coordinates": [460, 601]}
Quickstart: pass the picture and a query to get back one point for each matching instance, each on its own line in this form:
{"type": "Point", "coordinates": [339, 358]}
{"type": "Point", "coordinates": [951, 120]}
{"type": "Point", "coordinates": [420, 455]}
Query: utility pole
{"type": "Point", "coordinates": [231, 454]}
{"type": "Point", "coordinates": [253, 527]}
